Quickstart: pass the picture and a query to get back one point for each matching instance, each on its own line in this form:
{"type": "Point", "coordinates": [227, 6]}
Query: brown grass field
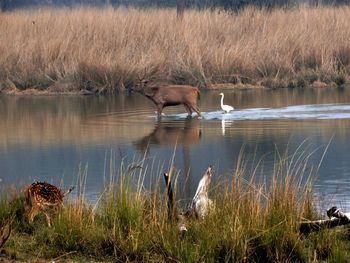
{"type": "Point", "coordinates": [107, 50]}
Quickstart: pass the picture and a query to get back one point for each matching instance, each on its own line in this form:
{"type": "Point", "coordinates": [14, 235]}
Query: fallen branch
{"type": "Point", "coordinates": [336, 218]}
{"type": "Point", "coordinates": [200, 205]}
{"type": "Point", "coordinates": [170, 195]}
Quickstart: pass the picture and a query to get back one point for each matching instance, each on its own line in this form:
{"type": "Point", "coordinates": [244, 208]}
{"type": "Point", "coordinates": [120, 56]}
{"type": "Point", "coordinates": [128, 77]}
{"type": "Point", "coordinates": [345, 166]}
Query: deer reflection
{"type": "Point", "coordinates": [171, 133]}
{"type": "Point", "coordinates": [174, 133]}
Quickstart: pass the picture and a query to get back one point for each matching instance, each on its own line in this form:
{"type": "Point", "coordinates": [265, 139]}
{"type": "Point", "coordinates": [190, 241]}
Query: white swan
{"type": "Point", "coordinates": [226, 108]}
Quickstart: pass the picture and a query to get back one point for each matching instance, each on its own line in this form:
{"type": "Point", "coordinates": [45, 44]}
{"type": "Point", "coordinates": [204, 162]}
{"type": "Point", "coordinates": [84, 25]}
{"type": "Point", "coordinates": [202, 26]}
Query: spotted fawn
{"type": "Point", "coordinates": [5, 231]}
{"type": "Point", "coordinates": [44, 197]}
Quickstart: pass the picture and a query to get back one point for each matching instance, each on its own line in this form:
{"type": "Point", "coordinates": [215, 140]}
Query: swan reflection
{"type": "Point", "coordinates": [225, 123]}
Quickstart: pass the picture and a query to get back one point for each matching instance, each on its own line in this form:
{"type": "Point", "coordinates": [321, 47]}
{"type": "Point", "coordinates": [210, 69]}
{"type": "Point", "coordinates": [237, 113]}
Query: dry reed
{"type": "Point", "coordinates": [105, 50]}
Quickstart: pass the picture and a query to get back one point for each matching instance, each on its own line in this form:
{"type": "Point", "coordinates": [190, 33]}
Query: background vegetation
{"type": "Point", "coordinates": [201, 4]}
{"type": "Point", "coordinates": [104, 50]}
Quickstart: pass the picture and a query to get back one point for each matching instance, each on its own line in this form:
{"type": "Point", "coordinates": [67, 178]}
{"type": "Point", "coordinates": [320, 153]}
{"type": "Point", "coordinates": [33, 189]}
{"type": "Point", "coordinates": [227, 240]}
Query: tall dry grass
{"type": "Point", "coordinates": [107, 49]}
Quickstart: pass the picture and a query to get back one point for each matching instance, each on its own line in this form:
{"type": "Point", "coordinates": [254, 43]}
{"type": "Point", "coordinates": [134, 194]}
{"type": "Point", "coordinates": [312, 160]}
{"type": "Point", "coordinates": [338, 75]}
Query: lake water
{"type": "Point", "coordinates": [51, 138]}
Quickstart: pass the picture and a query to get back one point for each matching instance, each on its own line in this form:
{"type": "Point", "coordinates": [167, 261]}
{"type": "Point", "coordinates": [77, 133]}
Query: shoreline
{"type": "Point", "coordinates": [75, 91]}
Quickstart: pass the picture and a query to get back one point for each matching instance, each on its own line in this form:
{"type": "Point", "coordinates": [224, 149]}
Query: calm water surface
{"type": "Point", "coordinates": [51, 138]}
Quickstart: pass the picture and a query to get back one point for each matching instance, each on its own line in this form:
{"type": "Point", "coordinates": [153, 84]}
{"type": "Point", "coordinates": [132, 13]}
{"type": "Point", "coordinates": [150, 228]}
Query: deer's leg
{"type": "Point", "coordinates": [33, 212]}
{"type": "Point", "coordinates": [48, 218]}
{"type": "Point", "coordinates": [188, 109]}
{"type": "Point", "coordinates": [160, 109]}
{"type": "Point", "coordinates": [196, 109]}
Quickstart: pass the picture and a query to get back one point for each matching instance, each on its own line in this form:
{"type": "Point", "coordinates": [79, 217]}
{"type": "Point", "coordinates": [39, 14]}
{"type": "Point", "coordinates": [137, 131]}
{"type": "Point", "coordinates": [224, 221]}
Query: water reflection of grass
{"type": "Point", "coordinates": [43, 121]}
{"type": "Point", "coordinates": [70, 120]}
{"type": "Point", "coordinates": [252, 222]}
{"type": "Point", "coordinates": [105, 50]}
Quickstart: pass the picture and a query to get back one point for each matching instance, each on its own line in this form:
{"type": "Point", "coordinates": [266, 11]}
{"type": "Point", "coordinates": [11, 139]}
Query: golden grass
{"type": "Point", "coordinates": [107, 49]}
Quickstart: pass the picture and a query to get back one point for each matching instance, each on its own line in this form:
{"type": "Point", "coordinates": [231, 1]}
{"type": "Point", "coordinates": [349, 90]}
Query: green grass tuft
{"type": "Point", "coordinates": [252, 222]}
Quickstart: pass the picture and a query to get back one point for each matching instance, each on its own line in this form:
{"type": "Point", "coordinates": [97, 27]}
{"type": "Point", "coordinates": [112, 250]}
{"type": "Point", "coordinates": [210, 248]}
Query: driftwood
{"type": "Point", "coordinates": [172, 214]}
{"type": "Point", "coordinates": [336, 218]}
{"type": "Point", "coordinates": [170, 195]}
{"type": "Point", "coordinates": [199, 206]}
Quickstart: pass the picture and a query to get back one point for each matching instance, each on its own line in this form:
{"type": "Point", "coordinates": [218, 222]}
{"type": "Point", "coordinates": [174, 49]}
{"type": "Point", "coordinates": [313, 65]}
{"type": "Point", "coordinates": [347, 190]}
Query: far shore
{"type": "Point", "coordinates": [54, 91]}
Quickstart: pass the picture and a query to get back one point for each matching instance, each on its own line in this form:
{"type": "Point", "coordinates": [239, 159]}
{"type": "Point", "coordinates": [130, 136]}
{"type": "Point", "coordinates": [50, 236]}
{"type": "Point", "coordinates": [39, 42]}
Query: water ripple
{"type": "Point", "coordinates": [299, 112]}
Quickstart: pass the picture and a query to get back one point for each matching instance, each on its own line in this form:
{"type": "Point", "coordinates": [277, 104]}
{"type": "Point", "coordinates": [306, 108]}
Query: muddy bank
{"type": "Point", "coordinates": [73, 89]}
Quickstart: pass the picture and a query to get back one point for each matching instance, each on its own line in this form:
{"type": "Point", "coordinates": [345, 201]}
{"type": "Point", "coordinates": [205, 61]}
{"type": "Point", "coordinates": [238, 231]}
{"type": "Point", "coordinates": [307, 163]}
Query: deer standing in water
{"type": "Point", "coordinates": [44, 197]}
{"type": "Point", "coordinates": [164, 95]}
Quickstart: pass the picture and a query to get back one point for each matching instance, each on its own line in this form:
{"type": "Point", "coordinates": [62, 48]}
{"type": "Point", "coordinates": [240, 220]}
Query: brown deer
{"type": "Point", "coordinates": [44, 197]}
{"type": "Point", "coordinates": [164, 95]}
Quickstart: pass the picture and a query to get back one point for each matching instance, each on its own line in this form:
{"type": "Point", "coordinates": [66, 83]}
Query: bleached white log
{"type": "Point", "coordinates": [336, 218]}
{"type": "Point", "coordinates": [201, 204]}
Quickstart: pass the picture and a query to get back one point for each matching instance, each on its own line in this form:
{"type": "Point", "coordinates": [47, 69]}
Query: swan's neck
{"type": "Point", "coordinates": [222, 100]}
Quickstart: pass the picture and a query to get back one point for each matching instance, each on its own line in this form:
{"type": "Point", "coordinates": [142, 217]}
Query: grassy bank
{"type": "Point", "coordinates": [105, 50]}
{"type": "Point", "coordinates": [251, 222]}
